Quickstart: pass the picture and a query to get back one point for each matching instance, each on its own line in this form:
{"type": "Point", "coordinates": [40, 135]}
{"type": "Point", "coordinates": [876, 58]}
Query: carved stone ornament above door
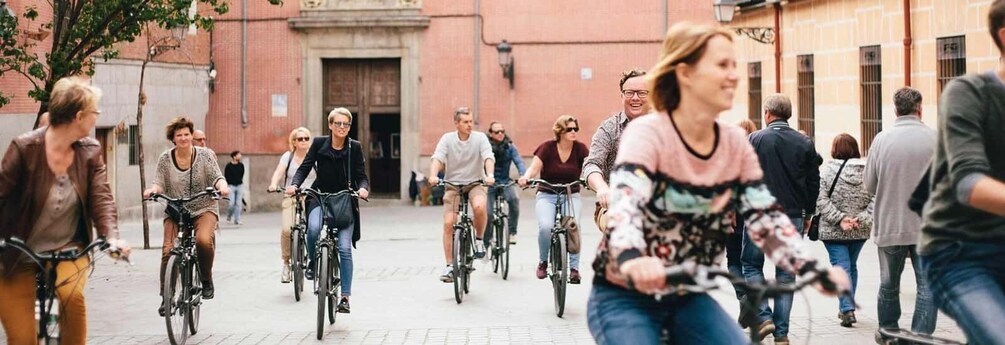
{"type": "Point", "coordinates": [312, 3]}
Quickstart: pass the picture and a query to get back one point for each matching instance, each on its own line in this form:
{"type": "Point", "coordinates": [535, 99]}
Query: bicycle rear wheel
{"type": "Point", "coordinates": [195, 296]}
{"type": "Point", "coordinates": [322, 280]}
{"type": "Point", "coordinates": [458, 262]}
{"type": "Point", "coordinates": [175, 301]}
{"type": "Point", "coordinates": [559, 272]}
{"type": "Point", "coordinates": [297, 260]}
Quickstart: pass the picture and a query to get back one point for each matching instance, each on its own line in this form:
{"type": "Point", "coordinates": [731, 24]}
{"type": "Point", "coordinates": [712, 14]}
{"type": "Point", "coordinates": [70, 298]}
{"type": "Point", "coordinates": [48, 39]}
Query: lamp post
{"type": "Point", "coordinates": [4, 10]}
{"type": "Point", "coordinates": [506, 61]}
{"type": "Point", "coordinates": [724, 11]}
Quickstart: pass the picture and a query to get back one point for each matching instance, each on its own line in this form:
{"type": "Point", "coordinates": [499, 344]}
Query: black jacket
{"type": "Point", "coordinates": [791, 167]}
{"type": "Point", "coordinates": [331, 170]}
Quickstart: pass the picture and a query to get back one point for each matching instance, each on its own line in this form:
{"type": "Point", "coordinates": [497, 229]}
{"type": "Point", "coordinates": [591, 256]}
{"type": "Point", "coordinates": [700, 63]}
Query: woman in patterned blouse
{"type": "Point", "coordinates": [678, 176]}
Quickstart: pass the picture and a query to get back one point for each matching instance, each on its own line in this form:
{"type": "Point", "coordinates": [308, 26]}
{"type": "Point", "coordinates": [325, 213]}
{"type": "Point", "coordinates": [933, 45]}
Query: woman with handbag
{"type": "Point", "coordinates": [845, 214]}
{"type": "Point", "coordinates": [339, 164]}
{"type": "Point", "coordinates": [300, 141]}
{"type": "Point", "coordinates": [558, 161]}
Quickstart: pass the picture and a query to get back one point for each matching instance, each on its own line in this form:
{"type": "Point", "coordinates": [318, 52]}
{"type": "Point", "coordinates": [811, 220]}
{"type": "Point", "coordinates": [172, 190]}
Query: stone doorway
{"type": "Point", "coordinates": [371, 90]}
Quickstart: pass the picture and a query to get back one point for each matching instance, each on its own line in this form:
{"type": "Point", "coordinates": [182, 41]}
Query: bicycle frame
{"type": "Point", "coordinates": [45, 282]}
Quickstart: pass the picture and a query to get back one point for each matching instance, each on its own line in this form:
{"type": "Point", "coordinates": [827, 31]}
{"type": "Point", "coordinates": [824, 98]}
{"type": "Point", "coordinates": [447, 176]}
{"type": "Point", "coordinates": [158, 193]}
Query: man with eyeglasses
{"type": "Point", "coordinates": [604, 146]}
{"type": "Point", "coordinates": [505, 154]}
{"type": "Point", "coordinates": [467, 156]}
{"type": "Point", "coordinates": [199, 138]}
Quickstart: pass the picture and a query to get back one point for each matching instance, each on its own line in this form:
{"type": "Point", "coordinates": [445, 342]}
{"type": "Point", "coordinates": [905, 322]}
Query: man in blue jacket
{"type": "Point", "coordinates": [505, 153]}
{"type": "Point", "coordinates": [791, 168]}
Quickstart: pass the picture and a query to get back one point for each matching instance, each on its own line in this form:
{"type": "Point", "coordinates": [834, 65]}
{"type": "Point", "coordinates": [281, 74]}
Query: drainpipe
{"type": "Point", "coordinates": [666, 8]}
{"type": "Point", "coordinates": [477, 44]}
{"type": "Point", "coordinates": [907, 42]}
{"type": "Point", "coordinates": [778, 47]}
{"type": "Point", "coordinates": [244, 64]}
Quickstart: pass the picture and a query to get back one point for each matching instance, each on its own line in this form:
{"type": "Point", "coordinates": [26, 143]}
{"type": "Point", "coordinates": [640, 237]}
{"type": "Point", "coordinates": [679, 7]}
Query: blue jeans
{"type": "Point", "coordinates": [967, 280]}
{"type": "Point", "coordinates": [344, 247]}
{"type": "Point", "coordinates": [514, 210]}
{"type": "Point", "coordinates": [734, 247]}
{"type": "Point", "coordinates": [891, 265]}
{"type": "Point", "coordinates": [753, 271]}
{"type": "Point", "coordinates": [236, 195]}
{"type": "Point", "coordinates": [545, 210]}
{"type": "Point", "coordinates": [619, 316]}
{"type": "Point", "coordinates": [844, 254]}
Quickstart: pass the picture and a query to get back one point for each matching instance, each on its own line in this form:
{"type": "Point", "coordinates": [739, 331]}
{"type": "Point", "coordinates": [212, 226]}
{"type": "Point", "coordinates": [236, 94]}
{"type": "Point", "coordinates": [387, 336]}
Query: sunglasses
{"type": "Point", "coordinates": [342, 124]}
{"type": "Point", "coordinates": [571, 129]}
{"type": "Point", "coordinates": [303, 139]}
{"type": "Point", "coordinates": [501, 131]}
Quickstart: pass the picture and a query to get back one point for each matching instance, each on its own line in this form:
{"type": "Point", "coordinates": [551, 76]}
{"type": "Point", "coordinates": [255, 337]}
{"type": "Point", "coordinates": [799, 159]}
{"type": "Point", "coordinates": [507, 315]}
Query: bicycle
{"type": "Point", "coordinates": [182, 284]}
{"type": "Point", "coordinates": [689, 277]}
{"type": "Point", "coordinates": [298, 243]}
{"type": "Point", "coordinates": [558, 255]}
{"type": "Point", "coordinates": [499, 244]}
{"type": "Point", "coordinates": [47, 309]}
{"type": "Point", "coordinates": [463, 243]}
{"type": "Point", "coordinates": [327, 281]}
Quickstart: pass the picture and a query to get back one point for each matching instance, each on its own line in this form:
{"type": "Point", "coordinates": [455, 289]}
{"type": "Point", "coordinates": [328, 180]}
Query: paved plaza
{"type": "Point", "coordinates": [398, 299]}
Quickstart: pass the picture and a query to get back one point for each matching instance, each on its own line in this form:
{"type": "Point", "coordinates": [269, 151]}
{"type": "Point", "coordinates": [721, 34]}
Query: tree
{"type": "Point", "coordinates": [82, 30]}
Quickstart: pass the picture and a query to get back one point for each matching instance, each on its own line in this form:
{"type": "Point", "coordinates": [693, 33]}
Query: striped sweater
{"type": "Point", "coordinates": [670, 202]}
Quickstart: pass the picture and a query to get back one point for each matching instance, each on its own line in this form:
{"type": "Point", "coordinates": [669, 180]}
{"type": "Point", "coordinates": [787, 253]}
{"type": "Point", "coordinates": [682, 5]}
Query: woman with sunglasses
{"type": "Point", "coordinates": [300, 141]}
{"type": "Point", "coordinates": [558, 161]}
{"type": "Point", "coordinates": [338, 161]}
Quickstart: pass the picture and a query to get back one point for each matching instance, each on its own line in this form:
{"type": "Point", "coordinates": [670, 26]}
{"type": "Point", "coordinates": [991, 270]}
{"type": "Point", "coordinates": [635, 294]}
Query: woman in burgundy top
{"type": "Point", "coordinates": [558, 161]}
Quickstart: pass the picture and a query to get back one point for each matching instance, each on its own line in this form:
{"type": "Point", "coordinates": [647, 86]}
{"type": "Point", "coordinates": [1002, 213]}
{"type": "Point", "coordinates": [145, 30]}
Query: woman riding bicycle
{"type": "Point", "coordinates": [300, 141]}
{"type": "Point", "coordinates": [558, 161]}
{"type": "Point", "coordinates": [333, 157]}
{"type": "Point", "coordinates": [182, 171]}
{"type": "Point", "coordinates": [53, 191]}
{"type": "Point", "coordinates": [678, 176]}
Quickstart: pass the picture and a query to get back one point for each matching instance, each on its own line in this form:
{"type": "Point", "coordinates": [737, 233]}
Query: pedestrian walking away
{"type": "Point", "coordinates": [234, 173]}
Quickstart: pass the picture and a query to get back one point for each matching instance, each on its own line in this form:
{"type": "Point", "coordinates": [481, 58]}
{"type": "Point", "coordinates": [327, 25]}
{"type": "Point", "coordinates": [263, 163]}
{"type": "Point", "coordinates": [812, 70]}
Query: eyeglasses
{"type": "Point", "coordinates": [199, 139]}
{"type": "Point", "coordinates": [571, 129]}
{"type": "Point", "coordinates": [633, 93]}
{"type": "Point", "coordinates": [304, 139]}
{"type": "Point", "coordinates": [501, 131]}
{"type": "Point", "coordinates": [342, 124]}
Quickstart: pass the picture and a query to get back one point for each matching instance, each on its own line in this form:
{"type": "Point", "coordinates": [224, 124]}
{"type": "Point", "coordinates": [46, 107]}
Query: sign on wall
{"type": "Point", "coordinates": [279, 105]}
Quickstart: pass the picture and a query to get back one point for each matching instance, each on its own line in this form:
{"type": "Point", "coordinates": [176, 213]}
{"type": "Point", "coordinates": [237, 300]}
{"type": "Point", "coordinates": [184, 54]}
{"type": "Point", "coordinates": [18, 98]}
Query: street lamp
{"type": "Point", "coordinates": [4, 10]}
{"type": "Point", "coordinates": [724, 11]}
{"type": "Point", "coordinates": [169, 42]}
{"type": "Point", "coordinates": [506, 61]}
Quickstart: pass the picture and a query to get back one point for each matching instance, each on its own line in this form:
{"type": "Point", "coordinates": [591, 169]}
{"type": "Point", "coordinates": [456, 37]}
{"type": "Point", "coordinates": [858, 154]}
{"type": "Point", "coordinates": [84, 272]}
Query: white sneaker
{"type": "Point", "coordinates": [448, 274]}
{"type": "Point", "coordinates": [479, 249]}
{"type": "Point", "coordinates": [286, 273]}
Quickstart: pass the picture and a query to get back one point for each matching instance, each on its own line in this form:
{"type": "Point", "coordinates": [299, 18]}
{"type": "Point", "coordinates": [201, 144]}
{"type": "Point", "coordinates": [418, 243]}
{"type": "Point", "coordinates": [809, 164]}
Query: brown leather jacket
{"type": "Point", "coordinates": [25, 182]}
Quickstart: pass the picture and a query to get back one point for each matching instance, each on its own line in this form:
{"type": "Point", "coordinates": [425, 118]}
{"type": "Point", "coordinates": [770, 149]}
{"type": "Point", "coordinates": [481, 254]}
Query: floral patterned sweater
{"type": "Point", "coordinates": [671, 202]}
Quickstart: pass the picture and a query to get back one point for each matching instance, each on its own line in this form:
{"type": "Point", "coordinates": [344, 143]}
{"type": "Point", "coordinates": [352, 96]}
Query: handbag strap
{"type": "Point", "coordinates": [348, 158]}
{"type": "Point", "coordinates": [834, 184]}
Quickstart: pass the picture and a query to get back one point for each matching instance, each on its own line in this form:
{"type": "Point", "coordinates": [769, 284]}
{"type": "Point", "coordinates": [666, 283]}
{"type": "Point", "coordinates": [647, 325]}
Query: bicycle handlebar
{"type": "Point", "coordinates": [458, 185]}
{"type": "Point", "coordinates": [61, 255]}
{"type": "Point", "coordinates": [539, 182]}
{"type": "Point", "coordinates": [212, 192]}
{"type": "Point", "coordinates": [318, 194]}
{"type": "Point", "coordinates": [691, 277]}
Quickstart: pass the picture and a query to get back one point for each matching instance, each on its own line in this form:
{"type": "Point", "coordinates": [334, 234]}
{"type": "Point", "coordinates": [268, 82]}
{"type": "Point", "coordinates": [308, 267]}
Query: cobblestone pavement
{"type": "Point", "coordinates": [397, 298]}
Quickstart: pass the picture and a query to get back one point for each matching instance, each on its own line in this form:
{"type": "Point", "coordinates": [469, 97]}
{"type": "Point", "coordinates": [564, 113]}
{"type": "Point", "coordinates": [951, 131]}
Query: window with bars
{"type": "Point", "coordinates": [806, 96]}
{"type": "Point", "coordinates": [134, 152]}
{"type": "Point", "coordinates": [754, 92]}
{"type": "Point", "coordinates": [872, 95]}
{"type": "Point", "coordinates": [952, 59]}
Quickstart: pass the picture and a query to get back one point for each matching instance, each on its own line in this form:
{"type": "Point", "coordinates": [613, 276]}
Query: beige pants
{"type": "Point", "coordinates": [17, 302]}
{"type": "Point", "coordinates": [205, 243]}
{"type": "Point", "coordinates": [289, 212]}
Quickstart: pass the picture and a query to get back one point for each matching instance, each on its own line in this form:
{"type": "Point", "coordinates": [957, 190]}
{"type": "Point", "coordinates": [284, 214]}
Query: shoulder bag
{"type": "Point", "coordinates": [814, 230]}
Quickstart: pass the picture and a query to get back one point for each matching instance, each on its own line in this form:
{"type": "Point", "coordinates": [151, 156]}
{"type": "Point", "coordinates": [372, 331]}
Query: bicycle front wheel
{"type": "Point", "coordinates": [458, 265]}
{"type": "Point", "coordinates": [559, 272]}
{"type": "Point", "coordinates": [297, 261]}
{"type": "Point", "coordinates": [504, 253]}
{"type": "Point", "coordinates": [334, 287]}
{"type": "Point", "coordinates": [175, 301]}
{"type": "Point", "coordinates": [322, 279]}
{"type": "Point", "coordinates": [194, 296]}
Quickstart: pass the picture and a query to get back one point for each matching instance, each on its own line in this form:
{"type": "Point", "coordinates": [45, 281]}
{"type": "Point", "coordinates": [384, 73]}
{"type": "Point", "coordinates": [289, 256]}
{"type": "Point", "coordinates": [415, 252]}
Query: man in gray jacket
{"type": "Point", "coordinates": [897, 159]}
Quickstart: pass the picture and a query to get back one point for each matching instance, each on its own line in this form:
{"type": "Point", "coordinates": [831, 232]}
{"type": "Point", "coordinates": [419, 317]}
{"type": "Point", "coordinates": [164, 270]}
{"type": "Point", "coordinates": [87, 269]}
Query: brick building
{"type": "Point", "coordinates": [842, 60]}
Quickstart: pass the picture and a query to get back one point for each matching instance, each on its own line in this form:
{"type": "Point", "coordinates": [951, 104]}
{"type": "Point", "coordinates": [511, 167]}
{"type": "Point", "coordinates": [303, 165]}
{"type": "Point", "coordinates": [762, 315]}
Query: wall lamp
{"type": "Point", "coordinates": [724, 11]}
{"type": "Point", "coordinates": [506, 61]}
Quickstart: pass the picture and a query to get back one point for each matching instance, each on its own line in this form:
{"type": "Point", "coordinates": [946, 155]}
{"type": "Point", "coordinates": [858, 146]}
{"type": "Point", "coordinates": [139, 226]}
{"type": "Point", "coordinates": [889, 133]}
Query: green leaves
{"type": "Point", "coordinates": [87, 29]}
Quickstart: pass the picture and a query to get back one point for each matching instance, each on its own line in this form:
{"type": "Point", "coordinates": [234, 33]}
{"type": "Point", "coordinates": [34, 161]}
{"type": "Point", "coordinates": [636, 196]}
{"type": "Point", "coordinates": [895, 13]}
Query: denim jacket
{"type": "Point", "coordinates": [504, 157]}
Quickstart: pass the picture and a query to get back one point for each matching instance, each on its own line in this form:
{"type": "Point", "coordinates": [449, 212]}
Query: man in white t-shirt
{"type": "Point", "coordinates": [465, 156]}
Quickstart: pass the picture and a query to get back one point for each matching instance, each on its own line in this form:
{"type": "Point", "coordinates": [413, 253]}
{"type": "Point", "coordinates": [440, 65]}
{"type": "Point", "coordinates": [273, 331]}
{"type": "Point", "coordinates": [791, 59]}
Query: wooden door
{"type": "Point", "coordinates": [371, 90]}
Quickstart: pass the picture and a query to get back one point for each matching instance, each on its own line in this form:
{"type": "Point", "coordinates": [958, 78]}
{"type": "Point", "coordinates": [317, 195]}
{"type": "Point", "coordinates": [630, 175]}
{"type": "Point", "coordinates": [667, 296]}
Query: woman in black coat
{"type": "Point", "coordinates": [339, 164]}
